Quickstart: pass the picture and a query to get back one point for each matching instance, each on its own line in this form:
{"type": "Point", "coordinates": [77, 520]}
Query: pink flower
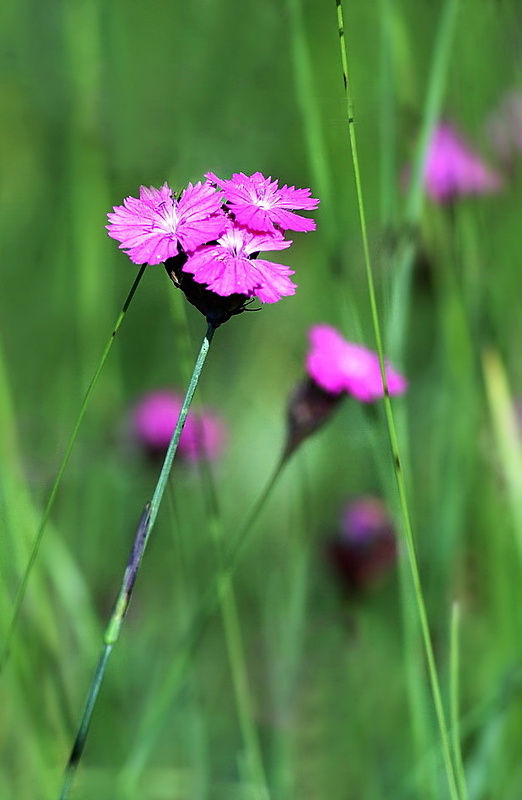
{"type": "Point", "coordinates": [340, 366]}
{"type": "Point", "coordinates": [156, 226]}
{"type": "Point", "coordinates": [228, 267]}
{"type": "Point", "coordinates": [154, 419]}
{"type": "Point", "coordinates": [452, 168]}
{"type": "Point", "coordinates": [260, 205]}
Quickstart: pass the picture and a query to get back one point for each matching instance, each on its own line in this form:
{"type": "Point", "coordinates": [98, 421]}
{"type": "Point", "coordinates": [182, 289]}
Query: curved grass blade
{"type": "Point", "coordinates": [68, 450]}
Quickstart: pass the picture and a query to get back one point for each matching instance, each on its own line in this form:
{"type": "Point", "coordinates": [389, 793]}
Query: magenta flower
{"type": "Point", "coordinates": [228, 267]}
{"type": "Point", "coordinates": [452, 168]}
{"type": "Point", "coordinates": [260, 205]}
{"type": "Point", "coordinates": [154, 419]}
{"type": "Point", "coordinates": [340, 366]}
{"type": "Point", "coordinates": [156, 226]}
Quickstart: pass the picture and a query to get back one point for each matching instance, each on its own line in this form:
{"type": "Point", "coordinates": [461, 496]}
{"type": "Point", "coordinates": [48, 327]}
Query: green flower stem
{"type": "Point", "coordinates": [214, 595]}
{"type": "Point", "coordinates": [394, 444]}
{"type": "Point", "coordinates": [68, 450]}
{"type": "Point", "coordinates": [138, 549]}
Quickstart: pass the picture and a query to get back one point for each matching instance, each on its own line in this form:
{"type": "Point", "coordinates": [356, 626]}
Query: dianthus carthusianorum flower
{"type": "Point", "coordinates": [259, 204]}
{"type": "Point", "coordinates": [452, 168]}
{"type": "Point", "coordinates": [227, 267]}
{"type": "Point", "coordinates": [157, 226]}
{"type": "Point", "coordinates": [340, 366]}
{"type": "Point", "coordinates": [211, 236]}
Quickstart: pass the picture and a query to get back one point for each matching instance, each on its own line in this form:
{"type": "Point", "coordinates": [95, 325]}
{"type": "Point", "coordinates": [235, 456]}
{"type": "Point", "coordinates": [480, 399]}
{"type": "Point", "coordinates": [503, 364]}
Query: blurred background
{"type": "Point", "coordinates": [97, 98]}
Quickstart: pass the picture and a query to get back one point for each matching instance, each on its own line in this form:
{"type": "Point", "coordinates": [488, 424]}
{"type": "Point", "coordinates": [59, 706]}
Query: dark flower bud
{"type": "Point", "coordinates": [310, 407]}
{"type": "Point", "coordinates": [366, 547]}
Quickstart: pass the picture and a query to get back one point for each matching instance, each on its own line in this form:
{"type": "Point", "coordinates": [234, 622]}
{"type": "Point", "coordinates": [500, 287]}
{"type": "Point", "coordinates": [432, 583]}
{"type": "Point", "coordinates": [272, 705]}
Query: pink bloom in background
{"type": "Point", "coordinates": [259, 204]}
{"type": "Point", "coordinates": [452, 168]}
{"type": "Point", "coordinates": [363, 519]}
{"type": "Point", "coordinates": [154, 419]}
{"type": "Point", "coordinates": [227, 267]}
{"type": "Point", "coordinates": [156, 226]}
{"type": "Point", "coordinates": [340, 366]}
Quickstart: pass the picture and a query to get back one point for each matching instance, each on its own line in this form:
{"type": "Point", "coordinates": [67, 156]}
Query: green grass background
{"type": "Point", "coordinates": [97, 98]}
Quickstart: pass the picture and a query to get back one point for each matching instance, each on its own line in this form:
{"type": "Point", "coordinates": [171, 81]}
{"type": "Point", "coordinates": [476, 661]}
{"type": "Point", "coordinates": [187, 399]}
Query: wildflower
{"type": "Point", "coordinates": [228, 267]}
{"type": "Point", "coordinates": [365, 548]}
{"type": "Point", "coordinates": [340, 366]}
{"type": "Point", "coordinates": [154, 419]}
{"type": "Point", "coordinates": [157, 226]}
{"type": "Point", "coordinates": [210, 240]}
{"type": "Point", "coordinates": [452, 168]}
{"type": "Point", "coordinates": [257, 203]}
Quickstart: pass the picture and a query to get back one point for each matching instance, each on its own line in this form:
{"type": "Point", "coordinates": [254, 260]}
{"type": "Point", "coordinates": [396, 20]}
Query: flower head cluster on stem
{"type": "Point", "coordinates": [215, 231]}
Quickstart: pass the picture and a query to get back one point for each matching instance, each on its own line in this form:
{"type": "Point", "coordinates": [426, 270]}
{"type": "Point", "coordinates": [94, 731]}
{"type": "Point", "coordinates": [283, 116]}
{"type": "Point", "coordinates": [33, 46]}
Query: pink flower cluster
{"type": "Point", "coordinates": [154, 419]}
{"type": "Point", "coordinates": [220, 226]}
{"type": "Point", "coordinates": [340, 366]}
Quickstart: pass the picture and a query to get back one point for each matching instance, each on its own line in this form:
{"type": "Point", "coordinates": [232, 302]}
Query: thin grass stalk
{"type": "Point", "coordinates": [401, 484]}
{"type": "Point", "coordinates": [141, 539]}
{"type": "Point", "coordinates": [56, 485]}
{"type": "Point", "coordinates": [454, 700]}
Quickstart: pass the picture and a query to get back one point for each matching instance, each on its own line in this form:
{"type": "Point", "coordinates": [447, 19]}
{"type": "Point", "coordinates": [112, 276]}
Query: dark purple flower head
{"type": "Point", "coordinates": [157, 226]}
{"type": "Point", "coordinates": [309, 409]}
{"type": "Point", "coordinates": [340, 366]}
{"type": "Point", "coordinates": [259, 204]}
{"type": "Point", "coordinates": [365, 548]}
{"type": "Point", "coordinates": [227, 267]}
{"type": "Point", "coordinates": [154, 419]}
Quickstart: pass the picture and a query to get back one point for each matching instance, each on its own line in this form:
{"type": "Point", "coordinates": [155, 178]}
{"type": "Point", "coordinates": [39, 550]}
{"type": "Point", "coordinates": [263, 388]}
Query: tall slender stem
{"type": "Point", "coordinates": [70, 444]}
{"type": "Point", "coordinates": [121, 605]}
{"type": "Point", "coordinates": [392, 432]}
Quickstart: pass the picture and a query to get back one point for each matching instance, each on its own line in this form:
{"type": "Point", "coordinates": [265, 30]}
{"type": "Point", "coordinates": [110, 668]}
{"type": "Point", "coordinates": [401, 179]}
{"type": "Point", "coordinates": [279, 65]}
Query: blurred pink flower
{"type": "Point", "coordinates": [504, 127]}
{"type": "Point", "coordinates": [155, 226]}
{"type": "Point", "coordinates": [340, 366]}
{"type": "Point", "coordinates": [228, 267]}
{"type": "Point", "coordinates": [154, 419]}
{"type": "Point", "coordinates": [366, 547]}
{"type": "Point", "coordinates": [259, 204]}
{"type": "Point", "coordinates": [452, 168]}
